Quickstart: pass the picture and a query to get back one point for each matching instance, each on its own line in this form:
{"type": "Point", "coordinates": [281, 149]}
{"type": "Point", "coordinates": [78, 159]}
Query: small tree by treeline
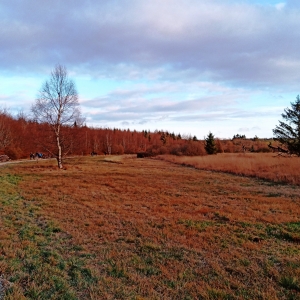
{"type": "Point", "coordinates": [288, 133]}
{"type": "Point", "coordinates": [210, 144]}
{"type": "Point", "coordinates": [5, 132]}
{"type": "Point", "coordinates": [58, 106]}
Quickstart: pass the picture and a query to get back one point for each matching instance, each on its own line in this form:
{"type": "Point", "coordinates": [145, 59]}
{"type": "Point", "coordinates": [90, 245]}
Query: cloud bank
{"type": "Point", "coordinates": [219, 40]}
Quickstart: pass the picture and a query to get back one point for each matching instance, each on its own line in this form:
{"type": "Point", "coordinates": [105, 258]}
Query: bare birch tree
{"type": "Point", "coordinates": [58, 106]}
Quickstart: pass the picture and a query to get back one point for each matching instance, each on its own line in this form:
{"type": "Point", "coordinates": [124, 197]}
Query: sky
{"type": "Point", "coordinates": [185, 66]}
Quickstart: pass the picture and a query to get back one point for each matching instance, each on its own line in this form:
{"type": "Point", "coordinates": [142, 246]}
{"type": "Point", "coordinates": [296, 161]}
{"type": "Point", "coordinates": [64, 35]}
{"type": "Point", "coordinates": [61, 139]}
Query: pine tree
{"type": "Point", "coordinates": [210, 144]}
{"type": "Point", "coordinates": [289, 133]}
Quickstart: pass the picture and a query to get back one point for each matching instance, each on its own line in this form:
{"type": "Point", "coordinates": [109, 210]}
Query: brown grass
{"type": "Point", "coordinates": [146, 229]}
{"type": "Point", "coordinates": [268, 166]}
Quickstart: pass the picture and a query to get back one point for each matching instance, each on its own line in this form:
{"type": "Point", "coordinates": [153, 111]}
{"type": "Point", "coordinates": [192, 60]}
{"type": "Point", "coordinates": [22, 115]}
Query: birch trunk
{"type": "Point", "coordinates": [59, 154]}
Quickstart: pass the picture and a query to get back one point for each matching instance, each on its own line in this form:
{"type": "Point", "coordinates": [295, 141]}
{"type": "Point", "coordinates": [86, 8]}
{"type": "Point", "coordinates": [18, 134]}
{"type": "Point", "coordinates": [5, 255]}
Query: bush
{"type": "Point", "coordinates": [14, 153]}
{"type": "Point", "coordinates": [219, 146]}
{"type": "Point", "coordinates": [162, 150]}
{"type": "Point", "coordinates": [176, 150]}
{"type": "Point", "coordinates": [193, 149]}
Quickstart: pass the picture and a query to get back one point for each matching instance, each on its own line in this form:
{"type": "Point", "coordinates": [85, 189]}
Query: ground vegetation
{"type": "Point", "coordinates": [119, 227]}
{"type": "Point", "coordinates": [269, 166]}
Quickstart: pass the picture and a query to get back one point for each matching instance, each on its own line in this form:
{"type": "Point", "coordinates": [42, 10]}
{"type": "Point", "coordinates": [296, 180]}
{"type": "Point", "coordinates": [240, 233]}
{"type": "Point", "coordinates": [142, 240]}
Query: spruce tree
{"type": "Point", "coordinates": [288, 133]}
{"type": "Point", "coordinates": [210, 144]}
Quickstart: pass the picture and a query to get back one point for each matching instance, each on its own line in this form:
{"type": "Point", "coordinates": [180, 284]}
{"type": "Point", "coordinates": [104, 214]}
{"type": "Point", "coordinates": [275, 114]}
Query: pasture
{"type": "Point", "coordinates": [275, 167]}
{"type": "Point", "coordinates": [119, 227]}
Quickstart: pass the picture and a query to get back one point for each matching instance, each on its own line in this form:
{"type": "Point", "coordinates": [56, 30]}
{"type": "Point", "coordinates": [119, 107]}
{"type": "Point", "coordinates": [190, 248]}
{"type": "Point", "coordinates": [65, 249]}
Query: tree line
{"type": "Point", "coordinates": [21, 135]}
{"type": "Point", "coordinates": [57, 129]}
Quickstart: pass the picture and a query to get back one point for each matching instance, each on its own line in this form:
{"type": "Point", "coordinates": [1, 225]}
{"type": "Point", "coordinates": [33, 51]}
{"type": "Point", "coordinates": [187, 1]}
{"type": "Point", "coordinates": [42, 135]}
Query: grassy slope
{"type": "Point", "coordinates": [146, 229]}
{"type": "Point", "coordinates": [270, 166]}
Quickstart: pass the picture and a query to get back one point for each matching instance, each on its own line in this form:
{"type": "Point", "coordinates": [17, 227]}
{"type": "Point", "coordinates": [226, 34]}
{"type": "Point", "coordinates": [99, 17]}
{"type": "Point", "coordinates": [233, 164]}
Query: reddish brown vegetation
{"type": "Point", "coordinates": [267, 166]}
{"type": "Point", "coordinates": [149, 229]}
{"type": "Point", "coordinates": [20, 136]}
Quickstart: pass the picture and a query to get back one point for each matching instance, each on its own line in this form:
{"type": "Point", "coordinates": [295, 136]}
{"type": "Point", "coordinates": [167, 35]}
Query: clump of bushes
{"type": "Point", "coordinates": [189, 148]}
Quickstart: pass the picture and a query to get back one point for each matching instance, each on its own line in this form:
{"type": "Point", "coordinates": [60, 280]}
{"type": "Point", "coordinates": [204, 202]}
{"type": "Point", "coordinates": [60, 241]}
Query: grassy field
{"type": "Point", "coordinates": [270, 166]}
{"type": "Point", "coordinates": [128, 228]}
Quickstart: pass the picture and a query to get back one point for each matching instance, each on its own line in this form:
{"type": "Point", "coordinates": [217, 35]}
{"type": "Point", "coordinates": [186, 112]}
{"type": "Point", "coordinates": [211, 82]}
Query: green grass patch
{"type": "Point", "coordinates": [199, 225]}
{"type": "Point", "coordinates": [290, 283]}
{"type": "Point", "coordinates": [39, 260]}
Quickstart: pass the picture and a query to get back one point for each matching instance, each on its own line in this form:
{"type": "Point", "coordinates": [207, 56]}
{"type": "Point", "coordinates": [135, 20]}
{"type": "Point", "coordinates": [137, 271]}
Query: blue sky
{"type": "Point", "coordinates": [186, 66]}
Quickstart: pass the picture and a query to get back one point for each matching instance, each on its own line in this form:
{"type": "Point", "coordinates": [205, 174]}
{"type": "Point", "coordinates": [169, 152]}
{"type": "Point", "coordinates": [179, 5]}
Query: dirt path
{"type": "Point", "coordinates": [13, 162]}
{"type": "Point", "coordinates": [22, 161]}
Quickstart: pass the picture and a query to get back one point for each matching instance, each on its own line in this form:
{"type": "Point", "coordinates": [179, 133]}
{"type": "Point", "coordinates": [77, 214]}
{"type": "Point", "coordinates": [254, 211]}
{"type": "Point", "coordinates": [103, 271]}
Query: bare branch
{"type": "Point", "coordinates": [57, 104]}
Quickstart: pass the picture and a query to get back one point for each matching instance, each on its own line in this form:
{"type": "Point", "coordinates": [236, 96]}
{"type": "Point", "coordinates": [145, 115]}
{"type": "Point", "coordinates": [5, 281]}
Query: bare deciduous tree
{"type": "Point", "coordinates": [58, 106]}
{"type": "Point", "coordinates": [5, 133]}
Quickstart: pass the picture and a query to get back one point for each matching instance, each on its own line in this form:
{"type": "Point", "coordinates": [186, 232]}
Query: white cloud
{"type": "Point", "coordinates": [280, 6]}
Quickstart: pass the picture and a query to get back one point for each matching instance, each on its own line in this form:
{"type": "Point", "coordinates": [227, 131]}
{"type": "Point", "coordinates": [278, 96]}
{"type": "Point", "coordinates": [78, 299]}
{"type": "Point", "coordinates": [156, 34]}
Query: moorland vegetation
{"type": "Point", "coordinates": [119, 227]}
{"type": "Point", "coordinates": [269, 166]}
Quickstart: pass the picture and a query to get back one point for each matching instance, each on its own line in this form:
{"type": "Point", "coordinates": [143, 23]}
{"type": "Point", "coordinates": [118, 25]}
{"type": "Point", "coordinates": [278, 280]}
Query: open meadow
{"type": "Point", "coordinates": [119, 227]}
{"type": "Point", "coordinates": [271, 166]}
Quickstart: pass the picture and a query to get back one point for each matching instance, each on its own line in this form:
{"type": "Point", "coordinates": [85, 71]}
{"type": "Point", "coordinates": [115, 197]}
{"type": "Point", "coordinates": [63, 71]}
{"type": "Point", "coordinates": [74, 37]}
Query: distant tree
{"type": "Point", "coordinates": [163, 138]}
{"type": "Point", "coordinates": [210, 144]}
{"type": "Point", "coordinates": [195, 138]}
{"type": "Point", "coordinates": [219, 146]}
{"type": "Point", "coordinates": [145, 133]}
{"type": "Point", "coordinates": [5, 131]}
{"type": "Point", "coordinates": [58, 106]}
{"type": "Point", "coordinates": [288, 132]}
{"type": "Point", "coordinates": [239, 136]}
